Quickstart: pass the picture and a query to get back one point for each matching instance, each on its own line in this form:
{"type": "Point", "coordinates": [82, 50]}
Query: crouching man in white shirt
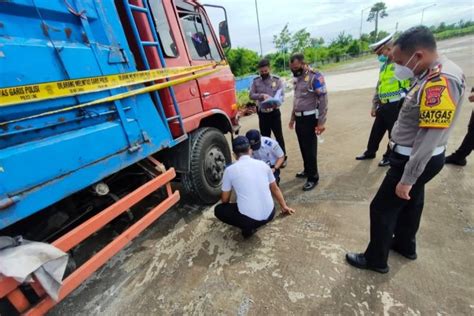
{"type": "Point", "coordinates": [254, 184]}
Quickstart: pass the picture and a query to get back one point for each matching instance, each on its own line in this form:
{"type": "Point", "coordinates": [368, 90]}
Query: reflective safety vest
{"type": "Point", "coordinates": [390, 89]}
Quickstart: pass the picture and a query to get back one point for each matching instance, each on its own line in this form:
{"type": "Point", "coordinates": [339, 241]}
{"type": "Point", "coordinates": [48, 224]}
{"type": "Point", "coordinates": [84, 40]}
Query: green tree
{"type": "Point", "coordinates": [279, 61]}
{"type": "Point", "coordinates": [317, 42]}
{"type": "Point", "coordinates": [441, 28]}
{"type": "Point", "coordinates": [342, 39]}
{"type": "Point", "coordinates": [242, 61]}
{"type": "Point", "coordinates": [300, 40]}
{"type": "Point", "coordinates": [310, 55]}
{"type": "Point", "coordinates": [336, 52]}
{"type": "Point", "coordinates": [354, 48]}
{"type": "Point", "coordinates": [377, 11]}
{"type": "Point", "coordinates": [366, 38]}
{"type": "Point", "coordinates": [282, 40]}
{"type": "Point", "coordinates": [381, 34]}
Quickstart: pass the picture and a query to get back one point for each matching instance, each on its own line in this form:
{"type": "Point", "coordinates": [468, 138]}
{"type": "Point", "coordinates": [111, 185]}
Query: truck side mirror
{"type": "Point", "coordinates": [224, 34]}
{"type": "Point", "coordinates": [201, 44]}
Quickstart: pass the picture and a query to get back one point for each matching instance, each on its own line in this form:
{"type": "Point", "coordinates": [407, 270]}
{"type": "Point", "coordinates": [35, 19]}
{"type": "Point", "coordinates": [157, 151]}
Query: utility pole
{"type": "Point", "coordinates": [360, 30]}
{"type": "Point", "coordinates": [259, 34]}
{"type": "Point", "coordinates": [423, 11]}
{"type": "Point", "coordinates": [396, 27]}
{"type": "Point", "coordinates": [361, 20]}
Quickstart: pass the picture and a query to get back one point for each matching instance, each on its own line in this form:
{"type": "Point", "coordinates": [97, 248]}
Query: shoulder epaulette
{"type": "Point", "coordinates": [275, 76]}
{"type": "Point", "coordinates": [434, 74]}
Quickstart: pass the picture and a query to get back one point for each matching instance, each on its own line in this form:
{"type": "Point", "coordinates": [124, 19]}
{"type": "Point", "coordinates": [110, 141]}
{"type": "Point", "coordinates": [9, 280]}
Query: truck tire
{"type": "Point", "coordinates": [210, 154]}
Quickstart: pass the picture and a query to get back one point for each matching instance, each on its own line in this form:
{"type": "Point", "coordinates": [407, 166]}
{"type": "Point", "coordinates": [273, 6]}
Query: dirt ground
{"type": "Point", "coordinates": [188, 263]}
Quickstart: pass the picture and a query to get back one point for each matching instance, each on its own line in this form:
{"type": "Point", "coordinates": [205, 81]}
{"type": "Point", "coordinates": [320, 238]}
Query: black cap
{"type": "Point", "coordinates": [240, 145]}
{"type": "Point", "coordinates": [254, 138]}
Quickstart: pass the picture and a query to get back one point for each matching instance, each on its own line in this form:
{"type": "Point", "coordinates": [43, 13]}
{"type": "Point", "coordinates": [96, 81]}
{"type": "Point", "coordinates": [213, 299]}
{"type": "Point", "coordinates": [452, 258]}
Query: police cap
{"type": "Point", "coordinates": [378, 45]}
{"type": "Point", "coordinates": [254, 138]}
{"type": "Point", "coordinates": [240, 145]}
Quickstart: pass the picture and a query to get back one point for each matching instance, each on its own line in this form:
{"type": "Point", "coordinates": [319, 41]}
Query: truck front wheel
{"type": "Point", "coordinates": [210, 154]}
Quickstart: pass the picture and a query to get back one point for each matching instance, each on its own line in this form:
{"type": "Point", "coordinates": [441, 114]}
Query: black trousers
{"type": "Point", "coordinates": [271, 122]}
{"type": "Point", "coordinates": [229, 214]}
{"type": "Point", "coordinates": [394, 221]}
{"type": "Point", "coordinates": [276, 174]}
{"type": "Point", "coordinates": [305, 131]}
{"type": "Point", "coordinates": [385, 118]}
{"type": "Point", "coordinates": [468, 143]}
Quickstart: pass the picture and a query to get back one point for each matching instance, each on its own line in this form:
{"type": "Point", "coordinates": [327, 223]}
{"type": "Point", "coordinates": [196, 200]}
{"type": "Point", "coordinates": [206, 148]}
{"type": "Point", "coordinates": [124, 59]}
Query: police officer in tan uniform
{"type": "Point", "coordinates": [385, 104]}
{"type": "Point", "coordinates": [418, 142]}
{"type": "Point", "coordinates": [264, 87]}
{"type": "Point", "coordinates": [309, 115]}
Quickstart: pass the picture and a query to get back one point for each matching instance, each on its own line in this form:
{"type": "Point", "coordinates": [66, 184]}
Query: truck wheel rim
{"type": "Point", "coordinates": [214, 166]}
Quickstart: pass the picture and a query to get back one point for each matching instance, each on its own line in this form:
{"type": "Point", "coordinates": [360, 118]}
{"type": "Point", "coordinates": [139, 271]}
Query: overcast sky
{"type": "Point", "coordinates": [326, 18]}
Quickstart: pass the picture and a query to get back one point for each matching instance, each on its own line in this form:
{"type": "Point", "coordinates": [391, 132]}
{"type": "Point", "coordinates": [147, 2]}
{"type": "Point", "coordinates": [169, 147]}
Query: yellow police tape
{"type": "Point", "coordinates": [60, 89]}
{"type": "Point", "coordinates": [119, 96]}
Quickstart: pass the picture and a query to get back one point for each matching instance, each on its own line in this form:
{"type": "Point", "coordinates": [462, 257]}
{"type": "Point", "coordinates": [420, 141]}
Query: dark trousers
{"type": "Point", "coordinates": [305, 131]}
{"type": "Point", "coordinates": [468, 143]}
{"type": "Point", "coordinates": [385, 118]}
{"type": "Point", "coordinates": [229, 214]}
{"type": "Point", "coordinates": [276, 174]}
{"type": "Point", "coordinates": [394, 221]}
{"type": "Point", "coordinates": [271, 122]}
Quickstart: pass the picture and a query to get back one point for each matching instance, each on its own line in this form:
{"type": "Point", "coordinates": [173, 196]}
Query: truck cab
{"type": "Point", "coordinates": [187, 38]}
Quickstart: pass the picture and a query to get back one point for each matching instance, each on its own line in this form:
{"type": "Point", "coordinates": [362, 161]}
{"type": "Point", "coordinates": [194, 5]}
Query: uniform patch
{"type": "Point", "coordinates": [433, 95]}
{"type": "Point", "coordinates": [437, 108]}
{"type": "Point", "coordinates": [274, 84]}
{"type": "Point", "coordinates": [306, 78]}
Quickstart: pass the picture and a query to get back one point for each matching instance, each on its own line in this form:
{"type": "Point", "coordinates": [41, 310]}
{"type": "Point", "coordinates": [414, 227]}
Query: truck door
{"type": "Point", "coordinates": [216, 90]}
{"type": "Point", "coordinates": [174, 51]}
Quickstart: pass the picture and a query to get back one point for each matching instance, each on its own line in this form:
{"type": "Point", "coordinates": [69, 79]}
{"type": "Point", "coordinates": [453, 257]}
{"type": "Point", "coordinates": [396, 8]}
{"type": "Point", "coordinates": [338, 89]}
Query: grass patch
{"type": "Point", "coordinates": [454, 33]}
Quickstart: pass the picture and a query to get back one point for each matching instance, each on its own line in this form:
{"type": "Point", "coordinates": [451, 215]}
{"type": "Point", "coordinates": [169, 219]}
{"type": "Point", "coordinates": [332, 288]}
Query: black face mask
{"type": "Point", "coordinates": [264, 76]}
{"type": "Point", "coordinates": [297, 72]}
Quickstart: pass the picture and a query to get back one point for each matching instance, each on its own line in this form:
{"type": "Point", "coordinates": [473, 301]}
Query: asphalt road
{"type": "Point", "coordinates": [188, 263]}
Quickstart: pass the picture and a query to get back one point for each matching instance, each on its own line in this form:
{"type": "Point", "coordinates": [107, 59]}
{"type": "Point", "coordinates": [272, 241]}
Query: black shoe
{"type": "Point", "coordinates": [384, 162]}
{"type": "Point", "coordinates": [301, 174]}
{"type": "Point", "coordinates": [358, 260]}
{"type": "Point", "coordinates": [411, 256]}
{"type": "Point", "coordinates": [309, 185]}
{"type": "Point", "coordinates": [365, 156]}
{"type": "Point", "coordinates": [247, 233]}
{"type": "Point", "coordinates": [452, 159]}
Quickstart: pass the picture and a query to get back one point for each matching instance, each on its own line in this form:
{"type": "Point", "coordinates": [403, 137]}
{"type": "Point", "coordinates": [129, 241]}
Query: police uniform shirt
{"type": "Point", "coordinates": [427, 114]}
{"type": "Point", "coordinates": [251, 181]}
{"type": "Point", "coordinates": [268, 86]}
{"type": "Point", "coordinates": [269, 151]}
{"type": "Point", "coordinates": [310, 94]}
